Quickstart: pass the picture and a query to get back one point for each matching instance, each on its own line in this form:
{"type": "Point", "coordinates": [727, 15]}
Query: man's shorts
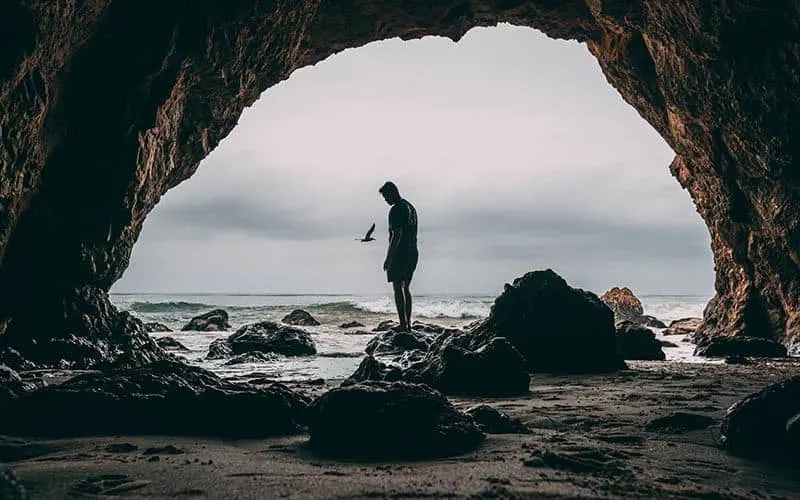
{"type": "Point", "coordinates": [404, 263]}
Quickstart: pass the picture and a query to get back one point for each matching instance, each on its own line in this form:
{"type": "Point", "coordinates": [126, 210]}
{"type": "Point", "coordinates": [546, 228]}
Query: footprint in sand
{"type": "Point", "coordinates": [107, 484]}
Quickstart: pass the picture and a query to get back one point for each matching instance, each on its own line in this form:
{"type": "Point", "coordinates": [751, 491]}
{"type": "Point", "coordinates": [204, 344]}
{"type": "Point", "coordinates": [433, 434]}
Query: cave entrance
{"type": "Point", "coordinates": [514, 148]}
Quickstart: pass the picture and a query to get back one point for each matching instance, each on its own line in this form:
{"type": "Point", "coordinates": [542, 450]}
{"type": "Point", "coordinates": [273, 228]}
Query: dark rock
{"type": "Point", "coordinates": [393, 342]}
{"type": "Point", "coordinates": [299, 317]}
{"type": "Point", "coordinates": [623, 303]}
{"type": "Point", "coordinates": [72, 211]}
{"type": "Point", "coordinates": [358, 332]}
{"type": "Point", "coordinates": [720, 347]}
{"type": "Point", "coordinates": [212, 321]}
{"type": "Point", "coordinates": [373, 369]}
{"type": "Point", "coordinates": [685, 326]}
{"type": "Point", "coordinates": [219, 349]}
{"type": "Point", "coordinates": [351, 324]}
{"type": "Point", "coordinates": [666, 343]}
{"type": "Point", "coordinates": [679, 422]}
{"type": "Point", "coordinates": [386, 325]}
{"type": "Point", "coordinates": [163, 450]}
{"type": "Point", "coordinates": [269, 336]}
{"type": "Point", "coordinates": [637, 342]}
{"type": "Point", "coordinates": [251, 357]}
{"type": "Point", "coordinates": [11, 385]}
{"type": "Point", "coordinates": [164, 397]}
{"type": "Point", "coordinates": [431, 328]}
{"type": "Point", "coordinates": [757, 425]}
{"type": "Point", "coordinates": [557, 328]}
{"type": "Point", "coordinates": [493, 421]}
{"type": "Point", "coordinates": [170, 344]}
{"type": "Point", "coordinates": [11, 487]}
{"type": "Point", "coordinates": [737, 360]}
{"type": "Point", "coordinates": [154, 327]}
{"type": "Point", "coordinates": [390, 420]}
{"type": "Point", "coordinates": [650, 322]}
{"type": "Point", "coordinates": [793, 431]}
{"type": "Point", "coordinates": [14, 360]}
{"type": "Point", "coordinates": [120, 448]}
{"type": "Point", "coordinates": [496, 369]}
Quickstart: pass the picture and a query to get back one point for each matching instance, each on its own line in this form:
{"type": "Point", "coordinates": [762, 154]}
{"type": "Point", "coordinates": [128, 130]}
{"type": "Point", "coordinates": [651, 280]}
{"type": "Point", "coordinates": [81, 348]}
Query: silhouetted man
{"type": "Point", "coordinates": [402, 256]}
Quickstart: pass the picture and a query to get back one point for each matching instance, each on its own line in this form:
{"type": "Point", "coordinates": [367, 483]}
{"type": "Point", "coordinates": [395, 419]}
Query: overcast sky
{"type": "Point", "coordinates": [516, 152]}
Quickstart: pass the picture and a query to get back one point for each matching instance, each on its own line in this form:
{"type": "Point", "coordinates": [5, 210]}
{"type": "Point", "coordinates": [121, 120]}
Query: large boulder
{"type": "Point", "coordinates": [684, 326]}
{"type": "Point", "coordinates": [268, 336]}
{"type": "Point", "coordinates": [495, 369]}
{"type": "Point", "coordinates": [212, 321]}
{"type": "Point", "coordinates": [721, 347]}
{"type": "Point", "coordinates": [299, 317]}
{"type": "Point", "coordinates": [557, 328]}
{"type": "Point", "coordinates": [638, 342]}
{"type": "Point", "coordinates": [155, 327]}
{"type": "Point", "coordinates": [165, 397]}
{"type": "Point", "coordinates": [764, 423]}
{"type": "Point", "coordinates": [623, 303]}
{"type": "Point", "coordinates": [396, 420]}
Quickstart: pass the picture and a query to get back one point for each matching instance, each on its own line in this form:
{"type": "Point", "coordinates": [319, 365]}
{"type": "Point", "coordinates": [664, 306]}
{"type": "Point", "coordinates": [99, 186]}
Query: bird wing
{"type": "Point", "coordinates": [369, 233]}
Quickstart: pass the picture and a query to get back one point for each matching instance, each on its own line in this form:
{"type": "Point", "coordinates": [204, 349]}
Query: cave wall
{"type": "Point", "coordinates": [107, 104]}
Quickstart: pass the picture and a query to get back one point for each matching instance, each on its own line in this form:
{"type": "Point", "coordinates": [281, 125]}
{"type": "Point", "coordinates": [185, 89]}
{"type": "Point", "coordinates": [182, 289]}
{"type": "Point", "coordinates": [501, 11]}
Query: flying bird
{"type": "Point", "coordinates": [368, 237]}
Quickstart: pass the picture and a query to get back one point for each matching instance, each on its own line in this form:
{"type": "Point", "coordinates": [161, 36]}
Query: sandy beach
{"type": "Point", "coordinates": [590, 437]}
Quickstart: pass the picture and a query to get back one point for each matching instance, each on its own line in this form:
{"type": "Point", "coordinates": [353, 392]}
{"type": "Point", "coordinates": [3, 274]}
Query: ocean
{"type": "Point", "coordinates": [339, 354]}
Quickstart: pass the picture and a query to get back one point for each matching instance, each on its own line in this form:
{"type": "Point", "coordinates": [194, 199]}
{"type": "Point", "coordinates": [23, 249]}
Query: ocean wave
{"type": "Point", "coordinates": [341, 354]}
{"type": "Point", "coordinates": [457, 308]}
{"type": "Point", "coordinates": [168, 307]}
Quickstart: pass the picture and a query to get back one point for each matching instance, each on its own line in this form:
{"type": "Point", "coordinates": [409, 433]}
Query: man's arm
{"type": "Point", "coordinates": [394, 240]}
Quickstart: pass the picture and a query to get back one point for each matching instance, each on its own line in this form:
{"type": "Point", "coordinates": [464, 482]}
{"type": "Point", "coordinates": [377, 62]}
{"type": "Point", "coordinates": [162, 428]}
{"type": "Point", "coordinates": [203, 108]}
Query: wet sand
{"type": "Point", "coordinates": [589, 439]}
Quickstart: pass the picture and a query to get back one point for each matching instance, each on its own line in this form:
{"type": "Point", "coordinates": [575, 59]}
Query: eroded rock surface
{"type": "Point", "coordinates": [101, 118]}
{"type": "Point", "coordinates": [212, 321]}
{"type": "Point", "coordinates": [763, 424]}
{"type": "Point", "coordinates": [264, 337]}
{"type": "Point", "coordinates": [396, 420]}
{"type": "Point", "coordinates": [164, 397]}
{"type": "Point", "coordinates": [299, 317]}
{"type": "Point", "coordinates": [556, 328]}
{"type": "Point", "coordinates": [170, 344]}
{"type": "Point", "coordinates": [623, 303]}
{"type": "Point", "coordinates": [495, 369]}
{"type": "Point", "coordinates": [638, 342]}
{"type": "Point", "coordinates": [684, 326]}
{"type": "Point", "coordinates": [156, 327]}
{"type": "Point", "coordinates": [720, 347]}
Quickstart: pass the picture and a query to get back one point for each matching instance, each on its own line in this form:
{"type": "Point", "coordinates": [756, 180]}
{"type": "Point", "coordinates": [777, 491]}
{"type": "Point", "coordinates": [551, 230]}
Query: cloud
{"type": "Point", "coordinates": [513, 147]}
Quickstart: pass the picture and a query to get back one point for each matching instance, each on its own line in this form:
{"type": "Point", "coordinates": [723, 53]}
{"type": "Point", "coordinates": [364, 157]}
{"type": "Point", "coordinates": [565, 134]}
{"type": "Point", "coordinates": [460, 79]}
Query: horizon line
{"type": "Point", "coordinates": [339, 294]}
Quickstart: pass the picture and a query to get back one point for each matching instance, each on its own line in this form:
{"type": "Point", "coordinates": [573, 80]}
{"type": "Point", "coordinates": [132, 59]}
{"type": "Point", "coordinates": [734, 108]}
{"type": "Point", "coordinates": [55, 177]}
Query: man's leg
{"type": "Point", "coordinates": [407, 299]}
{"type": "Point", "coordinates": [399, 302]}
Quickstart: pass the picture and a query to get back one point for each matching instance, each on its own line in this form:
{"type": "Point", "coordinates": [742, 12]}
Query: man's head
{"type": "Point", "coordinates": [390, 193]}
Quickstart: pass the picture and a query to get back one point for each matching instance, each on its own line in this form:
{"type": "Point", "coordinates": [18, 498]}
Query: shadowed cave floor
{"type": "Point", "coordinates": [589, 439]}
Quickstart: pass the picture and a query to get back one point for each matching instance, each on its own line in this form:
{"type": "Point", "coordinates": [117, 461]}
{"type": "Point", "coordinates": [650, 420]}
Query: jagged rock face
{"type": "Point", "coordinates": [100, 118]}
{"type": "Point", "coordinates": [625, 305]}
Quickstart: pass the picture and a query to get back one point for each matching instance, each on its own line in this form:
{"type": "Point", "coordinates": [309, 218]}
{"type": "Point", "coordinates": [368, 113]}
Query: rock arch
{"type": "Point", "coordinates": [107, 104]}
